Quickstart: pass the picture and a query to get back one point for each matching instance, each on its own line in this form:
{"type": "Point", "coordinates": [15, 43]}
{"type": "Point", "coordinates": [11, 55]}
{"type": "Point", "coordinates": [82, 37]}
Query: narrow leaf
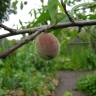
{"type": "Point", "coordinates": [52, 9]}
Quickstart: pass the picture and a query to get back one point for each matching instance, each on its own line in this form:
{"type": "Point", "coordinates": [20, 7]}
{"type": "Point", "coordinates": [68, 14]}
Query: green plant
{"type": "Point", "coordinates": [26, 71]}
{"type": "Point", "coordinates": [87, 84]}
{"type": "Point", "coordinates": [67, 93]}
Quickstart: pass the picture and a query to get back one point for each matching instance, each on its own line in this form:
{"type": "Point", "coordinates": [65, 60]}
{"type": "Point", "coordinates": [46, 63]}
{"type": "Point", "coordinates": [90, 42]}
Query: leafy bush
{"type": "Point", "coordinates": [73, 54]}
{"type": "Point", "coordinates": [87, 84]}
{"type": "Point", "coordinates": [67, 93]}
{"type": "Point", "coordinates": [24, 69]}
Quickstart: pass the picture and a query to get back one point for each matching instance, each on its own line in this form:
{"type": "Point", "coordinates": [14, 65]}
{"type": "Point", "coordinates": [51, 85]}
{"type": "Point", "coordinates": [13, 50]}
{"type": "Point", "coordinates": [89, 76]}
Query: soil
{"type": "Point", "coordinates": [68, 81]}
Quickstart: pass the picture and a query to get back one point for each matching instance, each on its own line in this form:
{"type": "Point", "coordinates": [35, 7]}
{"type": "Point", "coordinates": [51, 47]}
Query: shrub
{"type": "Point", "coordinates": [87, 84]}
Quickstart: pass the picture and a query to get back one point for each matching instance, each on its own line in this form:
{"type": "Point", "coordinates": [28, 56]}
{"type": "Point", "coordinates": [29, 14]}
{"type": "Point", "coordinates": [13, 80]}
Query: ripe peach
{"type": "Point", "coordinates": [47, 45]}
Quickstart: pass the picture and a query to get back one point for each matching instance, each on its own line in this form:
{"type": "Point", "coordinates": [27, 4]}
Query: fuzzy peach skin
{"type": "Point", "coordinates": [47, 45]}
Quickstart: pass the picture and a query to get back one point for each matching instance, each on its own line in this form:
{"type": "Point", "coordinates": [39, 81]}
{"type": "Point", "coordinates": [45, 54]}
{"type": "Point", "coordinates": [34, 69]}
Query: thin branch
{"type": "Point", "coordinates": [26, 40]}
{"type": "Point", "coordinates": [76, 24]}
{"type": "Point", "coordinates": [21, 43]}
{"type": "Point", "coordinates": [7, 28]}
{"type": "Point", "coordinates": [18, 32]}
{"type": "Point", "coordinates": [38, 30]}
{"type": "Point", "coordinates": [66, 12]}
{"type": "Point", "coordinates": [52, 27]}
{"type": "Point", "coordinates": [23, 31]}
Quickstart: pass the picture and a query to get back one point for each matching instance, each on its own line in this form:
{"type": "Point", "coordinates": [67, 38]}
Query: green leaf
{"type": "Point", "coordinates": [35, 14]}
{"type": "Point", "coordinates": [42, 18]}
{"type": "Point", "coordinates": [61, 18]}
{"type": "Point", "coordinates": [42, 1]}
{"type": "Point", "coordinates": [21, 5]}
{"type": "Point", "coordinates": [14, 4]}
{"type": "Point", "coordinates": [92, 16]}
{"type": "Point", "coordinates": [65, 1]}
{"type": "Point", "coordinates": [84, 5]}
{"type": "Point", "coordinates": [52, 9]}
{"type": "Point", "coordinates": [61, 7]}
{"type": "Point", "coordinates": [20, 22]}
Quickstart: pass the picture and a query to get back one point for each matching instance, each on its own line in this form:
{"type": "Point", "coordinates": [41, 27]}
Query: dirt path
{"type": "Point", "coordinates": [68, 82]}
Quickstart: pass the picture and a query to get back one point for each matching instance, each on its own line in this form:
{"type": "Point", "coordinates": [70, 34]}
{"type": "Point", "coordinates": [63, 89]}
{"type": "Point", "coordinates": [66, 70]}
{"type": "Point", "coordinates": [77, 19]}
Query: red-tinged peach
{"type": "Point", "coordinates": [47, 45]}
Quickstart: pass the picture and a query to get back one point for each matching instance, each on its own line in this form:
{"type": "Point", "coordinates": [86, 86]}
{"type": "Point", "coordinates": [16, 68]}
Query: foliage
{"type": "Point", "coordinates": [67, 93]}
{"type": "Point", "coordinates": [9, 6]}
{"type": "Point", "coordinates": [27, 71]}
{"type": "Point", "coordinates": [4, 8]}
{"type": "Point", "coordinates": [76, 51]}
{"type": "Point", "coordinates": [87, 84]}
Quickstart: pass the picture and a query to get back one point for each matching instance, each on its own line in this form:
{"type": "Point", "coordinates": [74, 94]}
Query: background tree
{"type": "Point", "coordinates": [4, 8]}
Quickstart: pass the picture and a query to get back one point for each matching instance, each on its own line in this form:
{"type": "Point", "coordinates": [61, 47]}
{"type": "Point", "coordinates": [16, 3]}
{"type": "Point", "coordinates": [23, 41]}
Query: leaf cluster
{"type": "Point", "coordinates": [87, 84]}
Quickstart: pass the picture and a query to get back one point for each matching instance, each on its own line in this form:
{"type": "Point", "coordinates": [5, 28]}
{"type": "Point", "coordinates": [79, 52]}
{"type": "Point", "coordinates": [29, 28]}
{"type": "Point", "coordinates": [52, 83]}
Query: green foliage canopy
{"type": "Point", "coordinates": [4, 7]}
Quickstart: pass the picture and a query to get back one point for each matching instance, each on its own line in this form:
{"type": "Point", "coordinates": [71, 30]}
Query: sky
{"type": "Point", "coordinates": [22, 15]}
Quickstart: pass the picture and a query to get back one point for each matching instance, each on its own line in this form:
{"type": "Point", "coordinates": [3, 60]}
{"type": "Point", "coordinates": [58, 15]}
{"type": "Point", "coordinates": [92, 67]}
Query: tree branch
{"type": "Point", "coordinates": [66, 12]}
{"type": "Point", "coordinates": [18, 32]}
{"type": "Point", "coordinates": [52, 27]}
{"type": "Point", "coordinates": [38, 30]}
{"type": "Point", "coordinates": [7, 28]}
{"type": "Point", "coordinates": [10, 50]}
{"type": "Point", "coordinates": [76, 24]}
{"type": "Point", "coordinates": [21, 43]}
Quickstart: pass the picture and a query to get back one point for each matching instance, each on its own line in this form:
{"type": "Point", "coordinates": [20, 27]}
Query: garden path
{"type": "Point", "coordinates": [68, 82]}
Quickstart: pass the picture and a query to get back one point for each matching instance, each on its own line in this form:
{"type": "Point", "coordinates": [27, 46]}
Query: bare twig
{"type": "Point", "coordinates": [7, 28]}
{"type": "Point", "coordinates": [52, 27]}
{"type": "Point", "coordinates": [18, 32]}
{"type": "Point", "coordinates": [66, 12]}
